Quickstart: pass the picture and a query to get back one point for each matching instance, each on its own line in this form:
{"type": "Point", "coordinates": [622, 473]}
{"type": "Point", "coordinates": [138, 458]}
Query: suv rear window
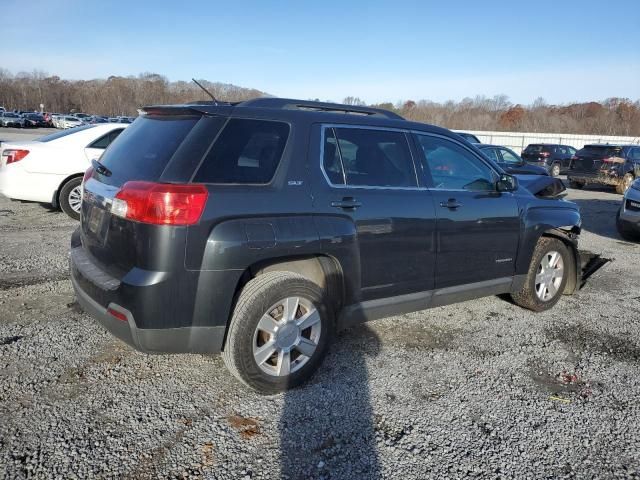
{"type": "Point", "coordinates": [537, 149]}
{"type": "Point", "coordinates": [246, 151]}
{"type": "Point", "coordinates": [144, 149]}
{"type": "Point", "coordinates": [599, 151]}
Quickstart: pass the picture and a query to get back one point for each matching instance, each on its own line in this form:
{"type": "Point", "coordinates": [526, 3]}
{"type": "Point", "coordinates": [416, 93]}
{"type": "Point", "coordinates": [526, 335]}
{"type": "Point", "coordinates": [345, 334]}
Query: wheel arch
{"type": "Point", "coordinates": [56, 197]}
{"type": "Point", "coordinates": [323, 270]}
{"type": "Point", "coordinates": [568, 238]}
{"type": "Point", "coordinates": [561, 223]}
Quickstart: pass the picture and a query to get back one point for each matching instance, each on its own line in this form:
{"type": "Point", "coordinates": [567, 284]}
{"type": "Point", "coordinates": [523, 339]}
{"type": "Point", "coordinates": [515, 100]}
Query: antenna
{"type": "Point", "coordinates": [205, 91]}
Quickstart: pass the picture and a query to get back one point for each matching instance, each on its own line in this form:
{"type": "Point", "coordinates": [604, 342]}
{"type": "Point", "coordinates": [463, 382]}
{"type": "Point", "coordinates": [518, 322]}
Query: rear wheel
{"type": "Point", "coordinates": [555, 170]}
{"type": "Point", "coordinates": [623, 186]}
{"type": "Point", "coordinates": [71, 198]}
{"type": "Point", "coordinates": [547, 276]}
{"type": "Point", "coordinates": [279, 332]}
{"type": "Point", "coordinates": [576, 185]}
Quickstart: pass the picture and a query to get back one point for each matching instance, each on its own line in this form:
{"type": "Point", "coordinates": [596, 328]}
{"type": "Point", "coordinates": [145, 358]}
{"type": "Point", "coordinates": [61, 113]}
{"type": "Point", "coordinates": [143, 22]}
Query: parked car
{"type": "Point", "coordinates": [628, 217]}
{"type": "Point", "coordinates": [10, 119]}
{"type": "Point", "coordinates": [256, 229]}
{"type": "Point", "coordinates": [34, 120]}
{"type": "Point", "coordinates": [96, 119]}
{"type": "Point", "coordinates": [510, 161]}
{"type": "Point", "coordinates": [469, 137]}
{"type": "Point", "coordinates": [68, 121]}
{"type": "Point", "coordinates": [124, 119]}
{"type": "Point", "coordinates": [615, 165]}
{"type": "Point", "coordinates": [554, 157]}
{"type": "Point", "coordinates": [50, 169]}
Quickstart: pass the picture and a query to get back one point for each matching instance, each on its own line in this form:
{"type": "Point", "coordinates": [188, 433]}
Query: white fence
{"type": "Point", "coordinates": [518, 140]}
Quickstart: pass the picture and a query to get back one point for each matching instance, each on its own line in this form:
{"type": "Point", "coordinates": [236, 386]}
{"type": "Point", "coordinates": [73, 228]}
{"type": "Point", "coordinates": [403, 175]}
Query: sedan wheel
{"type": "Point", "coordinates": [555, 170]}
{"type": "Point", "coordinates": [75, 199]}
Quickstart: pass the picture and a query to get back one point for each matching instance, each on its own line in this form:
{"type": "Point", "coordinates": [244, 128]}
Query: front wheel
{"type": "Point", "coordinates": [547, 277]}
{"type": "Point", "coordinates": [279, 332]}
{"type": "Point", "coordinates": [71, 198]}
{"type": "Point", "coordinates": [555, 170]}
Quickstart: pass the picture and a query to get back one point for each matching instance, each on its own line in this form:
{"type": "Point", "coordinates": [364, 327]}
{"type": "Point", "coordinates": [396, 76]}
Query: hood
{"type": "Point", "coordinates": [542, 186]}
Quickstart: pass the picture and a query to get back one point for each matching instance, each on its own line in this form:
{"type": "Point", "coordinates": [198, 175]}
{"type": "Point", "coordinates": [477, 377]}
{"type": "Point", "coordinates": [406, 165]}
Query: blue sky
{"type": "Point", "coordinates": [560, 50]}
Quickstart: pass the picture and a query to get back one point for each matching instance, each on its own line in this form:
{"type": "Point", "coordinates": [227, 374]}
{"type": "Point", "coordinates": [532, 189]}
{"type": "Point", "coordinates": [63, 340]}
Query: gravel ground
{"type": "Point", "coordinates": [24, 134]}
{"type": "Point", "coordinates": [482, 388]}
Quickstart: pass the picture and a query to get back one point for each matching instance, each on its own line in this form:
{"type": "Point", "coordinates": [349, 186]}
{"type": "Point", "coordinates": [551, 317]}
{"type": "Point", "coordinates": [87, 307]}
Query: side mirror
{"type": "Point", "coordinates": [507, 183]}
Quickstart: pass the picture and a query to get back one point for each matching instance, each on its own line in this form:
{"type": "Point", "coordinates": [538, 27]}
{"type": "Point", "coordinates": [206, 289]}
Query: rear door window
{"type": "Point", "coordinates": [368, 157]}
{"type": "Point", "coordinates": [104, 141]}
{"type": "Point", "coordinates": [246, 151]}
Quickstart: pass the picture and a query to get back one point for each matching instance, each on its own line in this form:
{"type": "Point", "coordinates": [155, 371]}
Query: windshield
{"type": "Point", "coordinates": [64, 133]}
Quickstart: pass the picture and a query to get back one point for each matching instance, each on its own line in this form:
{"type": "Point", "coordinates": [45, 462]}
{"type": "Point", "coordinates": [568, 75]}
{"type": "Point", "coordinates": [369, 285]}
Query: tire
{"type": "Point", "coordinates": [529, 297]}
{"type": "Point", "coordinates": [69, 194]}
{"type": "Point", "coordinates": [247, 344]}
{"type": "Point", "coordinates": [555, 170]}
{"type": "Point", "coordinates": [576, 185]}
{"type": "Point", "coordinates": [623, 186]}
{"type": "Point", "coordinates": [625, 232]}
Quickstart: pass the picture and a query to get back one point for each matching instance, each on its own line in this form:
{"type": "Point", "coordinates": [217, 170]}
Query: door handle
{"type": "Point", "coordinates": [452, 204]}
{"type": "Point", "coordinates": [347, 203]}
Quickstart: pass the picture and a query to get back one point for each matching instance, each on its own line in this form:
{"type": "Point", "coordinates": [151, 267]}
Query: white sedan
{"type": "Point", "coordinates": [50, 169]}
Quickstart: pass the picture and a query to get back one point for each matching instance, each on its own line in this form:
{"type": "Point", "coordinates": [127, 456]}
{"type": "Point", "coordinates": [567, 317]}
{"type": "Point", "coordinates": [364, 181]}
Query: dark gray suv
{"type": "Point", "coordinates": [258, 228]}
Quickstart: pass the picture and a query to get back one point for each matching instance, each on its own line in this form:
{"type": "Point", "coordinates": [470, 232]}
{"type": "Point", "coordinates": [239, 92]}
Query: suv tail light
{"type": "Point", "coordinates": [160, 203]}
{"type": "Point", "coordinates": [14, 156]}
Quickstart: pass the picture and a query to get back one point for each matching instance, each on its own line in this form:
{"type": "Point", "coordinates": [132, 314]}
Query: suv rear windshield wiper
{"type": "Point", "coordinates": [100, 168]}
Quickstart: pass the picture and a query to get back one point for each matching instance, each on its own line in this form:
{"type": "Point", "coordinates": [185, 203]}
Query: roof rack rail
{"type": "Point", "coordinates": [291, 104]}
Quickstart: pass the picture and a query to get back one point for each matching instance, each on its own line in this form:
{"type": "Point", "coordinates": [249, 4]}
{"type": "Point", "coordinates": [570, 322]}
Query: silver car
{"type": "Point", "coordinates": [628, 219]}
{"type": "Point", "coordinates": [9, 119]}
{"type": "Point", "coordinates": [69, 121]}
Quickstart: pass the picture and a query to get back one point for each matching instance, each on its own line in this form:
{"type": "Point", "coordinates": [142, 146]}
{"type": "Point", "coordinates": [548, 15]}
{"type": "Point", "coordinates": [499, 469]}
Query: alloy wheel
{"type": "Point", "coordinates": [75, 199]}
{"type": "Point", "coordinates": [549, 275]}
{"type": "Point", "coordinates": [286, 336]}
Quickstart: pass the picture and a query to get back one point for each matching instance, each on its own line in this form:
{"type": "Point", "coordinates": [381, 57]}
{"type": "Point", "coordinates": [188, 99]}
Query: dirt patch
{"type": "Point", "coordinates": [10, 340]}
{"type": "Point", "coordinates": [19, 280]}
{"type": "Point", "coordinates": [563, 383]}
{"type": "Point", "coordinates": [247, 427]}
{"type": "Point", "coordinates": [581, 340]}
{"type": "Point", "coordinates": [419, 337]}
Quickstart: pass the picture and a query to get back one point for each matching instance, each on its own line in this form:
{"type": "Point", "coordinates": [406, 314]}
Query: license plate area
{"type": "Point", "coordinates": [97, 224]}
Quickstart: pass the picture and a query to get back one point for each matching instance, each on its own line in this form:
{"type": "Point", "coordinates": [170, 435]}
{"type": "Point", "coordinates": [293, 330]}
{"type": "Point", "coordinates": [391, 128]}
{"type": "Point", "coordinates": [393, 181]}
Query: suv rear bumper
{"type": "Point", "coordinates": [152, 340]}
{"type": "Point", "coordinates": [98, 293]}
{"type": "Point", "coordinates": [594, 178]}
